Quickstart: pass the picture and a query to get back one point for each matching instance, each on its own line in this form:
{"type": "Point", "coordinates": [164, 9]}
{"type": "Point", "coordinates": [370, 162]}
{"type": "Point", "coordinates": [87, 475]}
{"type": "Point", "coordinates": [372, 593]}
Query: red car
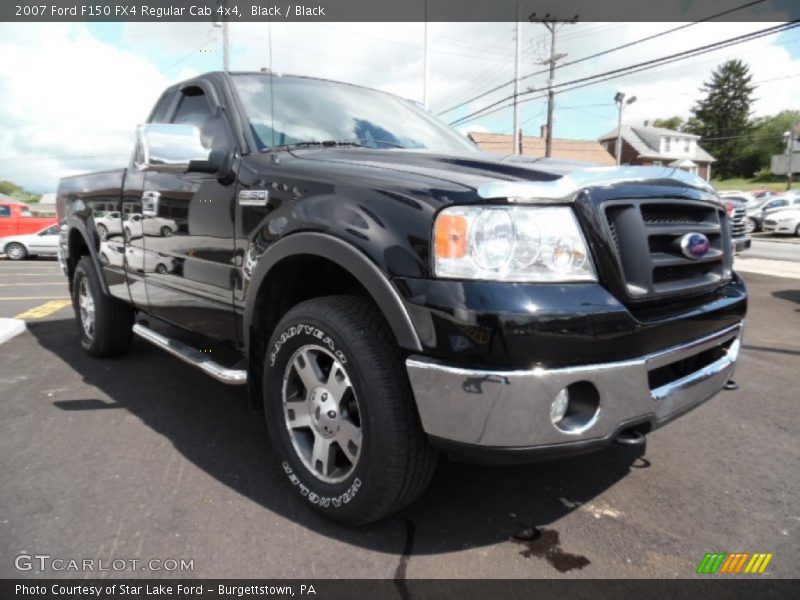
{"type": "Point", "coordinates": [17, 219]}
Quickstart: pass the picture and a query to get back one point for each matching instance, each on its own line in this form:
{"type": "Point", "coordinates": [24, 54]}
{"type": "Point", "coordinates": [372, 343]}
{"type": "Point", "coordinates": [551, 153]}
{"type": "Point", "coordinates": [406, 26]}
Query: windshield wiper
{"type": "Point", "coordinates": [359, 143]}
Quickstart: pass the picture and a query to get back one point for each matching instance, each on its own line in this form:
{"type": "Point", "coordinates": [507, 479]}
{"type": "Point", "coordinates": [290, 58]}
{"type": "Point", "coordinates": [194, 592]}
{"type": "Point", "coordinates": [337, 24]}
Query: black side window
{"type": "Point", "coordinates": [193, 110]}
{"type": "Point", "coordinates": [5, 210]}
{"type": "Point", "coordinates": [160, 113]}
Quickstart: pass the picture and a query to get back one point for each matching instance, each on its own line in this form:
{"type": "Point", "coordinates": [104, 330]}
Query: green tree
{"type": "Point", "coordinates": [675, 123]}
{"type": "Point", "coordinates": [722, 117]}
{"type": "Point", "coordinates": [9, 188]}
{"type": "Point", "coordinates": [765, 139]}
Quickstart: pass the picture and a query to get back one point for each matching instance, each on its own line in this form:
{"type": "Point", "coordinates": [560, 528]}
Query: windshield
{"type": "Point", "coordinates": [312, 110]}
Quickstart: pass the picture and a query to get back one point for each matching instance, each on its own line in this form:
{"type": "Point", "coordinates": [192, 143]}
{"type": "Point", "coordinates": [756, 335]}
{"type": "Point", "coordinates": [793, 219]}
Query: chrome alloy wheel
{"type": "Point", "coordinates": [86, 305]}
{"type": "Point", "coordinates": [15, 251]}
{"type": "Point", "coordinates": [321, 414]}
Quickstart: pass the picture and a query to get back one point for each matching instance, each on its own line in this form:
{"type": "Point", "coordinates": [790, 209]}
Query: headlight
{"type": "Point", "coordinates": [501, 243]}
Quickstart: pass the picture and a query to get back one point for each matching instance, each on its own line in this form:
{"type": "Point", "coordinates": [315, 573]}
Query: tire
{"type": "Point", "coordinates": [128, 235]}
{"type": "Point", "coordinates": [102, 231]}
{"type": "Point", "coordinates": [751, 226]}
{"type": "Point", "coordinates": [161, 269]}
{"type": "Point", "coordinates": [797, 230]}
{"type": "Point", "coordinates": [105, 324]}
{"type": "Point", "coordinates": [16, 251]}
{"type": "Point", "coordinates": [166, 231]}
{"type": "Point", "coordinates": [363, 411]}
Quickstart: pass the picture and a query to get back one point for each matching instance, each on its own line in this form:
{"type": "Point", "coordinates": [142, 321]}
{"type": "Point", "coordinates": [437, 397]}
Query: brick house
{"type": "Point", "coordinates": [656, 146]}
{"type": "Point", "coordinates": [588, 151]}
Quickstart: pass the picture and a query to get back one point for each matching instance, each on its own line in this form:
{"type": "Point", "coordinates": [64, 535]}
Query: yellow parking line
{"type": "Point", "coordinates": [44, 310]}
{"type": "Point", "coordinates": [34, 298]}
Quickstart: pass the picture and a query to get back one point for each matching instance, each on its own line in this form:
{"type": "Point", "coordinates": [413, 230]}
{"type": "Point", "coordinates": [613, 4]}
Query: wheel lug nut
{"type": "Point", "coordinates": [332, 414]}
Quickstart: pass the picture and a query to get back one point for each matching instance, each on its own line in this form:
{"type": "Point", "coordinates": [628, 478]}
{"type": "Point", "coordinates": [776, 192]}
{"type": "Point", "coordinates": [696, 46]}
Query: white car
{"type": "Point", "coordinates": [41, 243]}
{"type": "Point", "coordinates": [138, 225]}
{"type": "Point", "coordinates": [786, 222]}
{"type": "Point", "coordinates": [114, 254]}
{"type": "Point", "coordinates": [109, 224]}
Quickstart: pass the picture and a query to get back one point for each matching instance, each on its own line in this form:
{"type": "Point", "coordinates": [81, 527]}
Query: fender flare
{"type": "Point", "coordinates": [80, 226]}
{"type": "Point", "coordinates": [351, 260]}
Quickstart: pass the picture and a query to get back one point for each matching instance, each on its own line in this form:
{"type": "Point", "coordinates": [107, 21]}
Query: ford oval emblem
{"type": "Point", "coordinates": [694, 245]}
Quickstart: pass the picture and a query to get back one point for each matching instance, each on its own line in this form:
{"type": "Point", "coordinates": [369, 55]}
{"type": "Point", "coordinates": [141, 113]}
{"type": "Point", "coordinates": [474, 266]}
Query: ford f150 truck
{"type": "Point", "coordinates": [388, 292]}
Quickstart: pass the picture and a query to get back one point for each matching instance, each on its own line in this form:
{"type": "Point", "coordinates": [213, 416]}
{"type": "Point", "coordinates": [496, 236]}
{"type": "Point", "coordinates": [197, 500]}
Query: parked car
{"type": "Point", "coordinates": [137, 225]}
{"type": "Point", "coordinates": [756, 215]}
{"type": "Point", "coordinates": [784, 221]}
{"type": "Point", "coordinates": [41, 243]}
{"type": "Point", "coordinates": [763, 194]}
{"type": "Point", "coordinates": [108, 224]}
{"type": "Point", "coordinates": [17, 219]}
{"type": "Point", "coordinates": [391, 292]}
{"type": "Point", "coordinates": [746, 198]}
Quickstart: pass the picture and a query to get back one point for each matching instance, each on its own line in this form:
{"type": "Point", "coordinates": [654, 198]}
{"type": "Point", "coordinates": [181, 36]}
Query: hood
{"type": "Point", "coordinates": [504, 176]}
{"type": "Point", "coordinates": [470, 169]}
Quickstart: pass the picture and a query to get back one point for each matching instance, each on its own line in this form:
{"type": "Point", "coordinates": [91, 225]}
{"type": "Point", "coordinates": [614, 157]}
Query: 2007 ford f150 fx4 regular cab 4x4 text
{"type": "Point", "coordinates": [387, 292]}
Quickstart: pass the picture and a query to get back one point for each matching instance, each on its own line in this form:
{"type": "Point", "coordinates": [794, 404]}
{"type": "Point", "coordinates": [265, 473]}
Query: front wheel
{"type": "Point", "coordinates": [105, 324]}
{"type": "Point", "coordinates": [16, 251]}
{"type": "Point", "coordinates": [166, 231]}
{"type": "Point", "coordinates": [750, 226]}
{"type": "Point", "coordinates": [102, 231]}
{"type": "Point", "coordinates": [797, 230]}
{"type": "Point", "coordinates": [340, 411]}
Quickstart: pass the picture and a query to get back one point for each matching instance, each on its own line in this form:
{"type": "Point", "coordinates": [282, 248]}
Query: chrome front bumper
{"type": "Point", "coordinates": [511, 409]}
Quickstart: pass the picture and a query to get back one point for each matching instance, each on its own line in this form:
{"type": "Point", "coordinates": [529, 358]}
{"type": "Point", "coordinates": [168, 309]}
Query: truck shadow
{"type": "Point", "coordinates": [465, 506]}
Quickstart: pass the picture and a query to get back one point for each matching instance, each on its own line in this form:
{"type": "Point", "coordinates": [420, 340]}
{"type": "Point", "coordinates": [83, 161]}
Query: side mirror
{"type": "Point", "coordinates": [169, 147]}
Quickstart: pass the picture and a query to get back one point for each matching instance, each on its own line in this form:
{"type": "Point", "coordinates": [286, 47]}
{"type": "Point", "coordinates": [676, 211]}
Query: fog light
{"type": "Point", "coordinates": [559, 406]}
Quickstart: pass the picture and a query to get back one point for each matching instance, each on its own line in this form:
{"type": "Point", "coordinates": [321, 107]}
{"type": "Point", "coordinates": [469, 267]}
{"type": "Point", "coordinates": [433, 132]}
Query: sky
{"type": "Point", "coordinates": [72, 94]}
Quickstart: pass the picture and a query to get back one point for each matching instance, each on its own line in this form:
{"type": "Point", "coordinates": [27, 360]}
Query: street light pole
{"type": "Point", "coordinates": [517, 60]}
{"type": "Point", "coordinates": [619, 98]}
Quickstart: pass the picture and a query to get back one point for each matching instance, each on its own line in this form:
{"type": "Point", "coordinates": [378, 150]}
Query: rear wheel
{"type": "Point", "coordinates": [16, 251]}
{"type": "Point", "coordinates": [340, 411]}
{"type": "Point", "coordinates": [797, 230]}
{"type": "Point", "coordinates": [102, 231]}
{"type": "Point", "coordinates": [166, 231]}
{"type": "Point", "coordinates": [105, 324]}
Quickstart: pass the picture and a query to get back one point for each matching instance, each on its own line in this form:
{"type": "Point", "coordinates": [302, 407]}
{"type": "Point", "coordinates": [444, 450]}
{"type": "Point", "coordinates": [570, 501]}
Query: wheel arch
{"type": "Point", "coordinates": [78, 245]}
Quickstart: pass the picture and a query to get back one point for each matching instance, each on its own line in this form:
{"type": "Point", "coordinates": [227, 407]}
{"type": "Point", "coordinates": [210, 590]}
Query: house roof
{"type": "Point", "coordinates": [588, 151]}
{"type": "Point", "coordinates": [647, 142]}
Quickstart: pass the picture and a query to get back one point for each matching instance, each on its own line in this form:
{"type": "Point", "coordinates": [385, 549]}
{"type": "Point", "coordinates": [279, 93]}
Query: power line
{"type": "Point", "coordinates": [638, 67]}
{"type": "Point", "coordinates": [604, 52]}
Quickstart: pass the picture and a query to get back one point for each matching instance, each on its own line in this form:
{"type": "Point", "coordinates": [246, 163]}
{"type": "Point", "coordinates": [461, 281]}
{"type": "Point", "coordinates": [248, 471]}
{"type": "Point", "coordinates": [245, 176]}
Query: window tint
{"type": "Point", "coordinates": [160, 113]}
{"type": "Point", "coordinates": [193, 110]}
{"type": "Point", "coordinates": [5, 210]}
{"type": "Point", "coordinates": [50, 230]}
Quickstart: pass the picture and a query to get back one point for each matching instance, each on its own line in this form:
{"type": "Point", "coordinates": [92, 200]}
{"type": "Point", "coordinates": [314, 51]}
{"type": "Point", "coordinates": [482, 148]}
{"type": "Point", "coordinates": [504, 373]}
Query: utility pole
{"type": "Point", "coordinates": [552, 24]}
{"type": "Point", "coordinates": [790, 149]}
{"type": "Point", "coordinates": [621, 103]}
{"type": "Point", "coordinates": [426, 65]}
{"type": "Point", "coordinates": [517, 61]}
{"type": "Point", "coordinates": [223, 23]}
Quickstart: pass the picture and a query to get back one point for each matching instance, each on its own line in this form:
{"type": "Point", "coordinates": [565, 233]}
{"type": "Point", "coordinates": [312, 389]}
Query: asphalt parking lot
{"type": "Point", "coordinates": [143, 457]}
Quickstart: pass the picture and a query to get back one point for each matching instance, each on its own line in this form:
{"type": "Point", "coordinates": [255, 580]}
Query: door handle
{"type": "Point", "coordinates": [150, 203]}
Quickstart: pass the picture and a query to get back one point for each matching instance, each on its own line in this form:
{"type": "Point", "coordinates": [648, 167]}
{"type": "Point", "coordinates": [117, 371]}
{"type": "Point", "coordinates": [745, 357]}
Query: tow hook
{"type": "Point", "coordinates": [631, 437]}
{"type": "Point", "coordinates": [731, 385]}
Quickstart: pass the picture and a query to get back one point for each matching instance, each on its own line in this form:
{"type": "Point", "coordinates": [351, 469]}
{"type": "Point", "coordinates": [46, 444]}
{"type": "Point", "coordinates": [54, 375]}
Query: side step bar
{"type": "Point", "coordinates": [192, 356]}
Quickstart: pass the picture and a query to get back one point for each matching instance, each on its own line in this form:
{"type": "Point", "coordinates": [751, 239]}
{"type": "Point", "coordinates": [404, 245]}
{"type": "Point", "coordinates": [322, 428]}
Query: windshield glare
{"type": "Point", "coordinates": [312, 110]}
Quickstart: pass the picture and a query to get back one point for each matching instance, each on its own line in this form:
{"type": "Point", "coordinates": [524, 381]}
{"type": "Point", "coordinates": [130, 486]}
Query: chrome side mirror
{"type": "Point", "coordinates": [169, 147]}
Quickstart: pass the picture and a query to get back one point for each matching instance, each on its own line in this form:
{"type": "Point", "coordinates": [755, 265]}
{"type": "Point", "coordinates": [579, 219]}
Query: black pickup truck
{"type": "Point", "coordinates": [388, 292]}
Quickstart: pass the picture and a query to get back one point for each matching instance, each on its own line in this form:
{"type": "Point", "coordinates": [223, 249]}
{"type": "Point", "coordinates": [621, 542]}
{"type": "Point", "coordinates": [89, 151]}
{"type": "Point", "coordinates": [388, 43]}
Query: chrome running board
{"type": "Point", "coordinates": [192, 356]}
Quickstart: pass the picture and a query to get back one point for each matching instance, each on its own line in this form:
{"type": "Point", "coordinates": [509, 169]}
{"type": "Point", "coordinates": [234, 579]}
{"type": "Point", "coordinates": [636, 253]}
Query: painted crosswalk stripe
{"type": "Point", "coordinates": [44, 310]}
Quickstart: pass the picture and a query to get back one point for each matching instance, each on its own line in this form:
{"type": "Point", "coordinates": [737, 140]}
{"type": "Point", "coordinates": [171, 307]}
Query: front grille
{"type": "Point", "coordinates": [646, 235]}
{"type": "Point", "coordinates": [738, 224]}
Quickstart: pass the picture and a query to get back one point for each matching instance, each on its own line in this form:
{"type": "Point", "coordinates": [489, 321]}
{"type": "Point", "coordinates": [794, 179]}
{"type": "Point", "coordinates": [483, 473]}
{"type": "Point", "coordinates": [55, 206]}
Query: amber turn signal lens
{"type": "Point", "coordinates": [451, 236]}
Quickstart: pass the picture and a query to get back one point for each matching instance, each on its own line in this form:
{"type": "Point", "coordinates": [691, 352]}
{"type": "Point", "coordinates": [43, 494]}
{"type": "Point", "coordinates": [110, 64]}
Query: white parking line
{"type": "Point", "coordinates": [9, 328]}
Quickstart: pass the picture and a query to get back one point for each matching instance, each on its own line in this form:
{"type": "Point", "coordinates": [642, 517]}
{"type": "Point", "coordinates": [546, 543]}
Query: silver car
{"type": "Point", "coordinates": [41, 243]}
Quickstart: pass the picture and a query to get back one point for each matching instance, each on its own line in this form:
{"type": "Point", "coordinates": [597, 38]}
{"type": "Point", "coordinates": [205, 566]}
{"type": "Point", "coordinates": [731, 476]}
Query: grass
{"type": "Point", "coordinates": [746, 185]}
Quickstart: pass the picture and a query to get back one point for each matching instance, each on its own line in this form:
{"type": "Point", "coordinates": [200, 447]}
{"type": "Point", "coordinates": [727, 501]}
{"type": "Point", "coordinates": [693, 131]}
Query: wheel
{"type": "Point", "coordinates": [340, 411]}
{"type": "Point", "coordinates": [102, 231]}
{"type": "Point", "coordinates": [750, 225]}
{"type": "Point", "coordinates": [166, 231]}
{"type": "Point", "coordinates": [16, 251]}
{"type": "Point", "coordinates": [797, 230]}
{"type": "Point", "coordinates": [161, 268]}
{"type": "Point", "coordinates": [127, 233]}
{"type": "Point", "coordinates": [105, 324]}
